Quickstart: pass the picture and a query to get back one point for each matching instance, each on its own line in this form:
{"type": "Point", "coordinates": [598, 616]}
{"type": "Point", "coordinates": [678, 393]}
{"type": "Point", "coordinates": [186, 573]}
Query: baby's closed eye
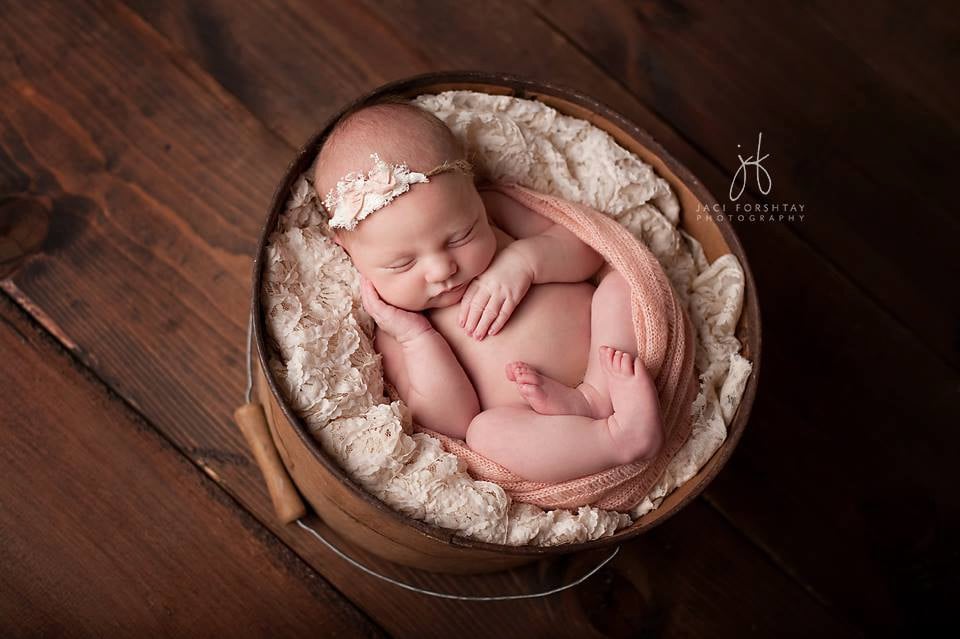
{"type": "Point", "coordinates": [399, 266]}
{"type": "Point", "coordinates": [463, 239]}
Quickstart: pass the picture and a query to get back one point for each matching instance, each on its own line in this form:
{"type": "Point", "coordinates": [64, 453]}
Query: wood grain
{"type": "Point", "coordinates": [108, 530]}
{"type": "Point", "coordinates": [696, 64]}
{"type": "Point", "coordinates": [833, 412]}
{"type": "Point", "coordinates": [173, 341]}
{"type": "Point", "coordinates": [153, 175]}
{"type": "Point", "coordinates": [864, 145]}
{"type": "Point", "coordinates": [151, 155]}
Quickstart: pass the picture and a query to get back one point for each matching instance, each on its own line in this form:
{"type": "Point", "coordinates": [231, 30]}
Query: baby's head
{"type": "Point", "coordinates": [426, 241]}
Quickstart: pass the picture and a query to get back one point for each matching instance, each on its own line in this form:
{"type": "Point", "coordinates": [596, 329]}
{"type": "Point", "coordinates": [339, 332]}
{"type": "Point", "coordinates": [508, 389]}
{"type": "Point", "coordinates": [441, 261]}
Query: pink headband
{"type": "Point", "coordinates": [357, 195]}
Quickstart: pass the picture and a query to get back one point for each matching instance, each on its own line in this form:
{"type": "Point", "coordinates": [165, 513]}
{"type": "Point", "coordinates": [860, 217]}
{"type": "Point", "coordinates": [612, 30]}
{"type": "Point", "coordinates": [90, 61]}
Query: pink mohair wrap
{"type": "Point", "coordinates": [665, 344]}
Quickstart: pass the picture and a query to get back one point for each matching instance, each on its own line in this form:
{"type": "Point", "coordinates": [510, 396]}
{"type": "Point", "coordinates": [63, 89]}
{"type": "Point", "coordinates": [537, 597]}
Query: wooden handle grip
{"type": "Point", "coordinates": [286, 501]}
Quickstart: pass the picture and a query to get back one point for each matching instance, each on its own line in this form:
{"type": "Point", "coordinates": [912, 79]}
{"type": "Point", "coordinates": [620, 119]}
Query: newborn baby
{"type": "Point", "coordinates": [486, 323]}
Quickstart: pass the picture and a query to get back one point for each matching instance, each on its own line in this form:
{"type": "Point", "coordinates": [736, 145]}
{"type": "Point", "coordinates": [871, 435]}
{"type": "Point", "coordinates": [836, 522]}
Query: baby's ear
{"type": "Point", "coordinates": [342, 243]}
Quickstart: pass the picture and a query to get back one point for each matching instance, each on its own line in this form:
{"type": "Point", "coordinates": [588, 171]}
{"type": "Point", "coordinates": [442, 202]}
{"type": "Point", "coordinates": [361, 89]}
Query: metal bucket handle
{"type": "Point", "coordinates": [289, 507]}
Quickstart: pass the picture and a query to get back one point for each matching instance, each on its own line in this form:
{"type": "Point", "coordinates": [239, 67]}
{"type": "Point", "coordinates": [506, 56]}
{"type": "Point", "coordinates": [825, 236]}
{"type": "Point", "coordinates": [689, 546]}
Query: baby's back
{"type": "Point", "coordinates": [550, 330]}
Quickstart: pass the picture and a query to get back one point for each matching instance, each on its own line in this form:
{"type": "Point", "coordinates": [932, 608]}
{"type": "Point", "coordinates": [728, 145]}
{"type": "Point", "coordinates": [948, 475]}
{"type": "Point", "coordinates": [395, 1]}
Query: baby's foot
{"type": "Point", "coordinates": [546, 395]}
{"type": "Point", "coordinates": [635, 424]}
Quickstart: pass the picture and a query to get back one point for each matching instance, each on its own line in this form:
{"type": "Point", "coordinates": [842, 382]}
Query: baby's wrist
{"type": "Point", "coordinates": [413, 341]}
{"type": "Point", "coordinates": [526, 259]}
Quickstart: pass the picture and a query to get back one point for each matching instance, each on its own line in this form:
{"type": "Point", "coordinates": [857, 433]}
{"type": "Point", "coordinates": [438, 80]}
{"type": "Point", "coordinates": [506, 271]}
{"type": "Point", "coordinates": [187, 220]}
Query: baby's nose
{"type": "Point", "coordinates": [442, 268]}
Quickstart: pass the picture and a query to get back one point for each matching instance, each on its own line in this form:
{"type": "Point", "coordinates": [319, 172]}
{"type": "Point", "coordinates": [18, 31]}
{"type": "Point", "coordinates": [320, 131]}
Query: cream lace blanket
{"type": "Point", "coordinates": [325, 360]}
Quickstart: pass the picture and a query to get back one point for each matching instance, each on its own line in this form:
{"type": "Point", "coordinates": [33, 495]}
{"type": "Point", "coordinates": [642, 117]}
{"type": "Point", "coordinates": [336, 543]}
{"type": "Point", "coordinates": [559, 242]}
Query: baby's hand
{"type": "Point", "coordinates": [401, 325]}
{"type": "Point", "coordinates": [494, 294]}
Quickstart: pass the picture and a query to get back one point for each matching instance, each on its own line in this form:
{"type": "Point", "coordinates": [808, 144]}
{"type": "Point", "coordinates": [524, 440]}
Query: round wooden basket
{"type": "Point", "coordinates": [363, 519]}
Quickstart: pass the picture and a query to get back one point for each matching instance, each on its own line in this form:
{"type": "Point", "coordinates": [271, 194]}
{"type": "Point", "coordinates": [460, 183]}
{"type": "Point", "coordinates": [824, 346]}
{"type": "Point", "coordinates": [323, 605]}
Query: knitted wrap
{"type": "Point", "coordinates": [665, 345]}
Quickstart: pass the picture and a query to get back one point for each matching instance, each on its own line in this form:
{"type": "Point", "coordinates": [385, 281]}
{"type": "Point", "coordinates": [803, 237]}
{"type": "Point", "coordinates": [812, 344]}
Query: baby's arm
{"type": "Point", "coordinates": [430, 379]}
{"type": "Point", "coordinates": [552, 252]}
{"type": "Point", "coordinates": [557, 255]}
{"type": "Point", "coordinates": [421, 365]}
{"type": "Point", "coordinates": [543, 253]}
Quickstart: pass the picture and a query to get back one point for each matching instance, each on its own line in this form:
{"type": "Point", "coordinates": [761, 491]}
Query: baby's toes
{"type": "Point", "coordinates": [607, 361]}
{"type": "Point", "coordinates": [529, 376]}
{"type": "Point", "coordinates": [617, 362]}
{"type": "Point", "coordinates": [603, 354]}
{"type": "Point", "coordinates": [626, 363]}
{"type": "Point", "coordinates": [511, 370]}
{"type": "Point", "coordinates": [532, 392]}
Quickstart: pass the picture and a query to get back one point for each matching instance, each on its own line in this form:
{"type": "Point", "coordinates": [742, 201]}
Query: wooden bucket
{"type": "Point", "coordinates": [362, 518]}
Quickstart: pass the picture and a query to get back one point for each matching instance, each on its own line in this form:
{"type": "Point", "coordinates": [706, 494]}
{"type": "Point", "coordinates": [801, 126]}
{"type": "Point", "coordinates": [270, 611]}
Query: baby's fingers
{"type": "Point", "coordinates": [371, 300]}
{"type": "Point", "coordinates": [465, 304]}
{"type": "Point", "coordinates": [505, 312]}
{"type": "Point", "coordinates": [490, 313]}
{"type": "Point", "coordinates": [475, 310]}
{"type": "Point", "coordinates": [367, 293]}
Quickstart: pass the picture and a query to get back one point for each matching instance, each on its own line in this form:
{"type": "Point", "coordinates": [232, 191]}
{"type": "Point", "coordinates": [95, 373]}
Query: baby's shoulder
{"type": "Point", "coordinates": [504, 239]}
{"type": "Point", "coordinates": [512, 217]}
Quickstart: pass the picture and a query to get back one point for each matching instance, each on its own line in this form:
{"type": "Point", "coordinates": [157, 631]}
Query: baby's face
{"type": "Point", "coordinates": [433, 238]}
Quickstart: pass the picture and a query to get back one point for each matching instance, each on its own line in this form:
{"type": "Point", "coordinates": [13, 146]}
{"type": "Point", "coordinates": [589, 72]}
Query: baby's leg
{"type": "Point", "coordinates": [613, 417]}
{"type": "Point", "coordinates": [546, 395]}
{"type": "Point", "coordinates": [554, 448]}
{"type": "Point", "coordinates": [611, 324]}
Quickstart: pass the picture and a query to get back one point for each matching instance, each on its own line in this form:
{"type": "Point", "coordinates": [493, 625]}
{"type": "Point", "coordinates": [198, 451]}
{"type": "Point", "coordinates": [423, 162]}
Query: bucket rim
{"type": "Point", "coordinates": [748, 328]}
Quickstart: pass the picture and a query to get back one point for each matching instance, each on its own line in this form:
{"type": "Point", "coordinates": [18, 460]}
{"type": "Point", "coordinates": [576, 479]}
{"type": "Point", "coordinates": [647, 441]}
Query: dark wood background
{"type": "Point", "coordinates": [141, 142]}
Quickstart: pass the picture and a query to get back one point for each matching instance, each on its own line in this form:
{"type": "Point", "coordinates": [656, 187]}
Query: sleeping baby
{"type": "Point", "coordinates": [487, 322]}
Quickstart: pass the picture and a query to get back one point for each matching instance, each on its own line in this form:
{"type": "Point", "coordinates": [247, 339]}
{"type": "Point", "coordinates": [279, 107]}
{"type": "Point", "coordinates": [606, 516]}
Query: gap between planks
{"type": "Point", "coordinates": [718, 167]}
{"type": "Point", "coordinates": [68, 349]}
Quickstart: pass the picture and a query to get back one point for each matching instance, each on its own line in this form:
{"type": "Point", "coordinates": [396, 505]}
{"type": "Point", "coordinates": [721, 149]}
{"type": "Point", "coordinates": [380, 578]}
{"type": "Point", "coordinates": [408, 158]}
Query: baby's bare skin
{"type": "Point", "coordinates": [549, 315]}
{"type": "Point", "coordinates": [557, 393]}
{"type": "Point", "coordinates": [488, 326]}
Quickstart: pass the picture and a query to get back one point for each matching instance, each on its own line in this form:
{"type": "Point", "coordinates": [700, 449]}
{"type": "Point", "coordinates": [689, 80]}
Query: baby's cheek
{"type": "Point", "coordinates": [409, 289]}
{"type": "Point", "coordinates": [473, 263]}
{"type": "Point", "coordinates": [486, 250]}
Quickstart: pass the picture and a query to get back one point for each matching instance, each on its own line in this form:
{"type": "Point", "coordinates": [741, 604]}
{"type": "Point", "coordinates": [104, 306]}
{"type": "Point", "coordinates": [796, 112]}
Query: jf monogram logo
{"type": "Point", "coordinates": [741, 175]}
{"type": "Point", "coordinates": [752, 167]}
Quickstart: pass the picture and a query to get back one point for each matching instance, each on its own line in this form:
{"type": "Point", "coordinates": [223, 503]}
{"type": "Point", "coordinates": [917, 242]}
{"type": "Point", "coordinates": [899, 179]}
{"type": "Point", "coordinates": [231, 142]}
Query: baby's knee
{"type": "Point", "coordinates": [612, 295]}
{"type": "Point", "coordinates": [485, 432]}
{"type": "Point", "coordinates": [613, 287]}
{"type": "Point", "coordinates": [480, 431]}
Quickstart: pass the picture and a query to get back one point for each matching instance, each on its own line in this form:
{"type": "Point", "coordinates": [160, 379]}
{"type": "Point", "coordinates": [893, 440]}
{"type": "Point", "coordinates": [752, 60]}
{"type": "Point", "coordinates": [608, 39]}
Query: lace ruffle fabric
{"type": "Point", "coordinates": [322, 337]}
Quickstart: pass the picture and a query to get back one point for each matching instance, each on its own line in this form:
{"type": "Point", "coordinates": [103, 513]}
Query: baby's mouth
{"type": "Point", "coordinates": [452, 290]}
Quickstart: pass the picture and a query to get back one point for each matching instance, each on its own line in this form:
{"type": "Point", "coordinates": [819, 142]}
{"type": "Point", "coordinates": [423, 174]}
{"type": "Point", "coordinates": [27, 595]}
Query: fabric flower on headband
{"type": "Point", "coordinates": [357, 195]}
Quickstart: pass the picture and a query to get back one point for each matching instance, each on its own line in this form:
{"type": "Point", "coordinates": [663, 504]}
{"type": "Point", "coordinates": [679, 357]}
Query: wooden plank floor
{"type": "Point", "coordinates": [115, 531]}
{"type": "Point", "coordinates": [140, 145]}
